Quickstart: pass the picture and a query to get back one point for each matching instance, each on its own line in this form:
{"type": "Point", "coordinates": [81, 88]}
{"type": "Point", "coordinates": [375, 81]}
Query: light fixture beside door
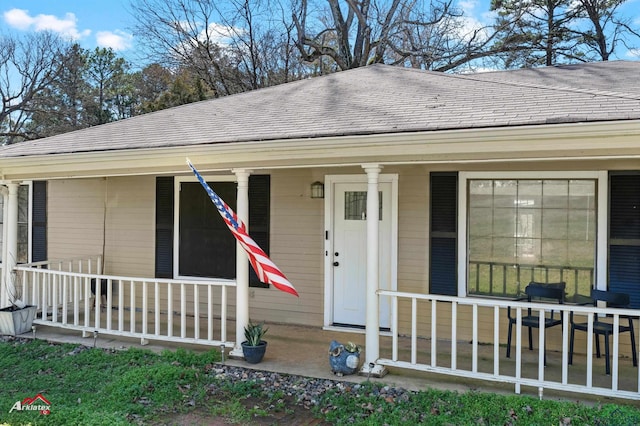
{"type": "Point", "coordinates": [317, 189]}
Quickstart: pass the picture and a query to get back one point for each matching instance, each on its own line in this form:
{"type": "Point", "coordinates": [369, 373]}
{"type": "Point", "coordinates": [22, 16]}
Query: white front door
{"type": "Point", "coordinates": [348, 253]}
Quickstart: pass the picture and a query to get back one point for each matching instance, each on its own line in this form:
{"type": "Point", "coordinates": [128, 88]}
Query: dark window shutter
{"type": "Point", "coordinates": [39, 222]}
{"type": "Point", "coordinates": [443, 233]}
{"type": "Point", "coordinates": [624, 234]}
{"type": "Point", "coordinates": [164, 226]}
{"type": "Point", "coordinates": [259, 218]}
{"type": "Point", "coordinates": [624, 206]}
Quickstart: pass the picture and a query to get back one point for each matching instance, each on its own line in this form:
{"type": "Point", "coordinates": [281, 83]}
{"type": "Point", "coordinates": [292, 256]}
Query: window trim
{"type": "Point", "coordinates": [602, 190]}
{"type": "Point", "coordinates": [28, 184]}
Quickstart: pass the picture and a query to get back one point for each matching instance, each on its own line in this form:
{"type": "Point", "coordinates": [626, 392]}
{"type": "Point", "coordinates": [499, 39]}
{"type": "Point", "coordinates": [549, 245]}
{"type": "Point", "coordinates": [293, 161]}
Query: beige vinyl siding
{"type": "Point", "coordinates": [413, 237]}
{"type": "Point", "coordinates": [81, 212]}
{"type": "Point", "coordinates": [75, 217]}
{"type": "Point", "coordinates": [297, 247]}
{"type": "Point", "coordinates": [76, 213]}
{"type": "Point", "coordinates": [130, 222]}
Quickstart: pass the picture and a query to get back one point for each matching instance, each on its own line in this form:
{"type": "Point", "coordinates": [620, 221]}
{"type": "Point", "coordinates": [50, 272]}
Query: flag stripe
{"type": "Point", "coordinates": [266, 270]}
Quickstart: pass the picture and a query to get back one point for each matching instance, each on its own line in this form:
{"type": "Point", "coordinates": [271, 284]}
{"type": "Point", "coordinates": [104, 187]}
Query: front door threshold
{"type": "Point", "coordinates": [357, 329]}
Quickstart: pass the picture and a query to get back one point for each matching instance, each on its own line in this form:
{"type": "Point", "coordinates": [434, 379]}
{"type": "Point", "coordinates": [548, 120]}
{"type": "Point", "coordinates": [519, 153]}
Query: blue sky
{"type": "Point", "coordinates": [107, 23]}
{"type": "Point", "coordinates": [91, 23]}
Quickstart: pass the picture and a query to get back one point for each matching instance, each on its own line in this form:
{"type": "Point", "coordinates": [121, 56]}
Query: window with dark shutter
{"type": "Point", "coordinates": [164, 227]}
{"type": "Point", "coordinates": [39, 222]}
{"type": "Point", "coordinates": [206, 247]}
{"type": "Point", "coordinates": [624, 234]}
{"type": "Point", "coordinates": [443, 233]}
{"type": "Point", "coordinates": [259, 218]}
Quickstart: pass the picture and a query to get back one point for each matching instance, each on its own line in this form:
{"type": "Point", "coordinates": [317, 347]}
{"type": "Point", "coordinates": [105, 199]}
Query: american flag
{"type": "Point", "coordinates": [266, 270]}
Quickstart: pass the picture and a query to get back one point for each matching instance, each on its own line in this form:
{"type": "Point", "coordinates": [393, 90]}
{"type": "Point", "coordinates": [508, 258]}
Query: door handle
{"type": "Point", "coordinates": [336, 263]}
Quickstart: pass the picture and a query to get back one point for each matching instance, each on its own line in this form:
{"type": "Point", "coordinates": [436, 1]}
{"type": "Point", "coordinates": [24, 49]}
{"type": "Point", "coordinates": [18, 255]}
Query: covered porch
{"type": "Point", "coordinates": [303, 350]}
{"type": "Point", "coordinates": [452, 341]}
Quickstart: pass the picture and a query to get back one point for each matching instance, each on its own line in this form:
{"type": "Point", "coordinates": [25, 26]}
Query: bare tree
{"type": "Point", "coordinates": [606, 29]}
{"type": "Point", "coordinates": [224, 43]}
{"type": "Point", "coordinates": [425, 34]}
{"type": "Point", "coordinates": [27, 66]}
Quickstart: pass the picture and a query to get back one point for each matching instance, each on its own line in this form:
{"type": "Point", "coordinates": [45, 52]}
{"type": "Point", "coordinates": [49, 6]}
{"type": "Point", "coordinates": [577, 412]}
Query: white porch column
{"type": "Point", "coordinates": [372, 322]}
{"type": "Point", "coordinates": [242, 263]}
{"type": "Point", "coordinates": [10, 251]}
{"type": "Point", "coordinates": [4, 300]}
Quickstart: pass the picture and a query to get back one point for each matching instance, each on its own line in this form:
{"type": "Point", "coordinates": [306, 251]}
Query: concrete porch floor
{"type": "Point", "coordinates": [304, 350]}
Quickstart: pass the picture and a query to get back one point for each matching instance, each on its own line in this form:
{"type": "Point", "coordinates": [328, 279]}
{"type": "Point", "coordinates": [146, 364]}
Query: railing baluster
{"type": "Point", "coordinates": [434, 332]}
{"type": "Point", "coordinates": [120, 305]}
{"type": "Point", "coordinates": [414, 331]}
{"type": "Point", "coordinates": [454, 335]}
{"type": "Point", "coordinates": [170, 310]}
{"type": "Point", "coordinates": [54, 299]}
{"type": "Point", "coordinates": [109, 308]}
{"type": "Point", "coordinates": [474, 338]}
{"type": "Point", "coordinates": [565, 346]}
{"type": "Point", "coordinates": [496, 340]}
{"type": "Point", "coordinates": [145, 309]}
{"type": "Point", "coordinates": [156, 307]}
{"type": "Point", "coordinates": [223, 314]}
{"type": "Point", "coordinates": [196, 311]}
{"type": "Point", "coordinates": [590, 349]}
{"type": "Point", "coordinates": [394, 326]}
{"type": "Point", "coordinates": [64, 298]}
{"type": "Point", "coordinates": [87, 308]}
{"type": "Point", "coordinates": [210, 312]}
{"type": "Point", "coordinates": [76, 301]}
{"type": "Point", "coordinates": [614, 355]}
{"type": "Point", "coordinates": [542, 346]}
{"type": "Point", "coordinates": [132, 302]}
{"type": "Point", "coordinates": [183, 310]}
{"type": "Point", "coordinates": [518, 348]}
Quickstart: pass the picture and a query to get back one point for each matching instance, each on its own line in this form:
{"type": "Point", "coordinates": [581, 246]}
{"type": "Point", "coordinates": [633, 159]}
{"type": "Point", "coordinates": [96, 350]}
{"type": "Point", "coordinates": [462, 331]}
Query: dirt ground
{"type": "Point", "coordinates": [293, 415]}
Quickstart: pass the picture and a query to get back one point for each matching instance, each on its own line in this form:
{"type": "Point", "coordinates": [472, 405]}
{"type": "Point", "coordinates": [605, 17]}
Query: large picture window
{"type": "Point", "coordinates": [521, 230]}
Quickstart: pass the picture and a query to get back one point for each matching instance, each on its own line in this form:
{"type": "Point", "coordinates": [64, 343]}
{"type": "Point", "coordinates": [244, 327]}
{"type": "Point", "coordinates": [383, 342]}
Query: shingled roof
{"type": "Point", "coordinates": [376, 99]}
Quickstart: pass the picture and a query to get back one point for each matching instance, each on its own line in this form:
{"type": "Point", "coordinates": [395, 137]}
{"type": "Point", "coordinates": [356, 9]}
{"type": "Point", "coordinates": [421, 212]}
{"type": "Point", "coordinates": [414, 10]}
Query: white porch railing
{"type": "Point", "coordinates": [185, 311]}
{"type": "Point", "coordinates": [437, 313]}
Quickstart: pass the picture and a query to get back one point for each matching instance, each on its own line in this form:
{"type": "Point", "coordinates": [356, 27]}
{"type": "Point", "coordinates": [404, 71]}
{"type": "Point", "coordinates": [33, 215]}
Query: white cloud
{"type": "Point", "coordinates": [633, 54]}
{"type": "Point", "coordinates": [116, 40]}
{"type": "Point", "coordinates": [219, 34]}
{"type": "Point", "coordinates": [66, 27]}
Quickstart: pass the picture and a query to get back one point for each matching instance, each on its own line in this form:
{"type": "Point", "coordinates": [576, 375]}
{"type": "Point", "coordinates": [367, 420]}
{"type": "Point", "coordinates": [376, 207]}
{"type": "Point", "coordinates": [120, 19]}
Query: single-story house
{"type": "Point", "coordinates": [484, 183]}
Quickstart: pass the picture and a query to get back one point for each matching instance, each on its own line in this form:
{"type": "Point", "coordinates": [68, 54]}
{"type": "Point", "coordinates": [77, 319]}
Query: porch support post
{"type": "Point", "coordinates": [372, 322]}
{"type": "Point", "coordinates": [10, 252]}
{"type": "Point", "coordinates": [242, 263]}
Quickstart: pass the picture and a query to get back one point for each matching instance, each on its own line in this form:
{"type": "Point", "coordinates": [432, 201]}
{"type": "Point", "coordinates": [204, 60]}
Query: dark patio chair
{"type": "Point", "coordinates": [603, 327]}
{"type": "Point", "coordinates": [538, 292]}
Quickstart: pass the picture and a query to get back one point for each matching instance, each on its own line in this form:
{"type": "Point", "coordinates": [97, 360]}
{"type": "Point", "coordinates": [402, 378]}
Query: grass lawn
{"type": "Point", "coordinates": [87, 386]}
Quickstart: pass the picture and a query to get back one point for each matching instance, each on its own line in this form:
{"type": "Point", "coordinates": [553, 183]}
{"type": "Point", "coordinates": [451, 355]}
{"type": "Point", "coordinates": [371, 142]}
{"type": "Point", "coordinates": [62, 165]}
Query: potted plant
{"type": "Point", "coordinates": [17, 318]}
{"type": "Point", "coordinates": [254, 347]}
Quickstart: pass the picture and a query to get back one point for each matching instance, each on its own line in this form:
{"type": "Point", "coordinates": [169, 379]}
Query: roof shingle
{"type": "Point", "coordinates": [372, 100]}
